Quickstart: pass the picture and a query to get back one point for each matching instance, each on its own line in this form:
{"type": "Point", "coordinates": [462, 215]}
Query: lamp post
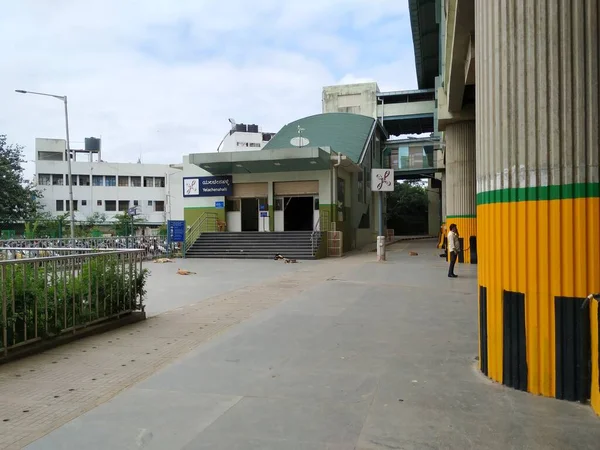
{"type": "Point", "coordinates": [62, 98]}
{"type": "Point", "coordinates": [232, 122]}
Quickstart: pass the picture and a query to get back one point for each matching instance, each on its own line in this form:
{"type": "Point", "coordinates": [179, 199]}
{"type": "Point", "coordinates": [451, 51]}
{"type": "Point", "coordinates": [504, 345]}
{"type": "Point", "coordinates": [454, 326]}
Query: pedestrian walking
{"type": "Point", "coordinates": [453, 249]}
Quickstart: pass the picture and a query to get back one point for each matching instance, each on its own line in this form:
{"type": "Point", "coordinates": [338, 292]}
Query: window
{"type": "Point", "coordinates": [68, 204]}
{"type": "Point", "coordinates": [58, 180]}
{"type": "Point", "coordinates": [360, 187]}
{"type": "Point", "coordinates": [44, 179]}
{"type": "Point", "coordinates": [349, 109]}
{"type": "Point", "coordinates": [123, 205]}
{"type": "Point", "coordinates": [99, 202]}
{"type": "Point", "coordinates": [110, 180]}
{"type": "Point", "coordinates": [233, 204]}
{"type": "Point", "coordinates": [75, 177]}
{"type": "Point", "coordinates": [159, 206]}
{"type": "Point", "coordinates": [84, 180]}
{"type": "Point", "coordinates": [278, 204]}
{"type": "Point", "coordinates": [110, 205]}
{"type": "Point", "coordinates": [59, 205]}
{"type": "Point", "coordinates": [50, 156]}
{"type": "Point", "coordinates": [123, 181]}
{"type": "Point", "coordinates": [136, 181]}
{"type": "Point", "coordinates": [98, 180]}
{"type": "Point", "coordinates": [148, 182]}
{"type": "Point", "coordinates": [83, 202]}
{"type": "Point", "coordinates": [136, 203]}
{"type": "Point", "coordinates": [159, 182]}
{"type": "Point", "coordinates": [150, 203]}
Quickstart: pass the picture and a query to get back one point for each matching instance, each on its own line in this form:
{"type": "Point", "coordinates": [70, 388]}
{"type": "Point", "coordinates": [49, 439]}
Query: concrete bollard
{"type": "Point", "coordinates": [380, 248]}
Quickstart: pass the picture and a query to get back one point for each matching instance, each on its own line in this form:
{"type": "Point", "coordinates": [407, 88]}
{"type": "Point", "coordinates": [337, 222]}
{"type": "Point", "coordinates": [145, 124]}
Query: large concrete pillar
{"type": "Point", "coordinates": [538, 205]}
{"type": "Point", "coordinates": [461, 185]}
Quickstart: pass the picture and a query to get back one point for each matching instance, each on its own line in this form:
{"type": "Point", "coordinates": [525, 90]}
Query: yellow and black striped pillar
{"type": "Point", "coordinates": [461, 186]}
{"type": "Point", "coordinates": [538, 201]}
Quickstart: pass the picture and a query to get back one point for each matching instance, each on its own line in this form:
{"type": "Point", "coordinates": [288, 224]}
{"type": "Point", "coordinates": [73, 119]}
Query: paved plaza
{"type": "Point", "coordinates": [334, 354]}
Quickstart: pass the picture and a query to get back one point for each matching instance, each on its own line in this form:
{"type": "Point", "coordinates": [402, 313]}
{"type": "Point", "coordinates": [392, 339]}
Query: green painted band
{"type": "Point", "coordinates": [462, 216]}
{"type": "Point", "coordinates": [560, 192]}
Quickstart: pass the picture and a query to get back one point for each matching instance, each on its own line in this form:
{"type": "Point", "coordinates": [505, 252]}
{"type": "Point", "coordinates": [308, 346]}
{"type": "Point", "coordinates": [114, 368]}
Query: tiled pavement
{"type": "Point", "coordinates": [42, 392]}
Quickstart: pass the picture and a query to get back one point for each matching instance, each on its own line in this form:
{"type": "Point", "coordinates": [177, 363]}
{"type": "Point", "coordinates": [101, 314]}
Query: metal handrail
{"type": "Point", "coordinates": [44, 297]}
{"type": "Point", "coordinates": [316, 228]}
{"type": "Point", "coordinates": [195, 230]}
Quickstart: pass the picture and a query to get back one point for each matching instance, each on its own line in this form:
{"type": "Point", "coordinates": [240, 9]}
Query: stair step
{"type": "Point", "coordinates": [256, 245]}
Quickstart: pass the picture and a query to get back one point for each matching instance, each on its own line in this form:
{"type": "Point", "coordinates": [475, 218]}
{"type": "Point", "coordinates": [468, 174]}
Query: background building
{"type": "Point", "coordinates": [154, 190]}
{"type": "Point", "coordinates": [243, 137]}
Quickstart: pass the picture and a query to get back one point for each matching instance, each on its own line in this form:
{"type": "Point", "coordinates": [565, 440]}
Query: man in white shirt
{"type": "Point", "coordinates": [453, 248]}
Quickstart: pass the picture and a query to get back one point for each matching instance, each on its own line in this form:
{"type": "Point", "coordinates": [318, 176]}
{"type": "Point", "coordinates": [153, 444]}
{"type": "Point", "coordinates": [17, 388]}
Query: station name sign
{"type": "Point", "coordinates": [208, 186]}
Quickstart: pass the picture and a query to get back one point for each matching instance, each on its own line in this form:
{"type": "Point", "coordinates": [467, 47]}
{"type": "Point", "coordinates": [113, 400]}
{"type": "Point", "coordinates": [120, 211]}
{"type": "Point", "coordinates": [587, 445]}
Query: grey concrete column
{"type": "Point", "coordinates": [461, 189]}
{"type": "Point", "coordinates": [538, 206]}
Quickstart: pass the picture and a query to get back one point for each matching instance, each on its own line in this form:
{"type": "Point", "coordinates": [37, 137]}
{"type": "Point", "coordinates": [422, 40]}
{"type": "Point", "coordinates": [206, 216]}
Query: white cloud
{"type": "Point", "coordinates": [160, 78]}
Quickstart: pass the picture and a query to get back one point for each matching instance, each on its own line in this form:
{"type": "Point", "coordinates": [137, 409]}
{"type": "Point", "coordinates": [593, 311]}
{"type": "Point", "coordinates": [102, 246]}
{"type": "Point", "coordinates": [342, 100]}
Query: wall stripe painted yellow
{"type": "Point", "coordinates": [467, 227]}
{"type": "Point", "coordinates": [542, 242]}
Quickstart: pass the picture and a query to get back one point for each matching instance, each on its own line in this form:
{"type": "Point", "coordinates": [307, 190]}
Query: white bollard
{"type": "Point", "coordinates": [380, 248]}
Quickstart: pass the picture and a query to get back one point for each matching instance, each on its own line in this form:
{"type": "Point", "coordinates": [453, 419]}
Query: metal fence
{"type": "Point", "coordinates": [41, 298]}
{"type": "Point", "coordinates": [152, 246]}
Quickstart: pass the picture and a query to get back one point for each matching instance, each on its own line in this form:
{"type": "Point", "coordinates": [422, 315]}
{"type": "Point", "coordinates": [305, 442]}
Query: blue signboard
{"type": "Point", "coordinates": [219, 205]}
{"type": "Point", "coordinates": [264, 214]}
{"type": "Point", "coordinates": [176, 230]}
{"type": "Point", "coordinates": [263, 207]}
{"type": "Point", "coordinates": [208, 186]}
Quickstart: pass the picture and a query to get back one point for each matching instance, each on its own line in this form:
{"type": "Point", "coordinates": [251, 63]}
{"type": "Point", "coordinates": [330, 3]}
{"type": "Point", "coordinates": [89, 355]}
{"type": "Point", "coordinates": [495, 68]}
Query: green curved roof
{"type": "Point", "coordinates": [344, 132]}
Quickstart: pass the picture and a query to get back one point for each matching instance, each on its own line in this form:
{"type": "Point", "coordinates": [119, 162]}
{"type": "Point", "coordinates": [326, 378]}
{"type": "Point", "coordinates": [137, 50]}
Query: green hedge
{"type": "Point", "coordinates": [50, 302]}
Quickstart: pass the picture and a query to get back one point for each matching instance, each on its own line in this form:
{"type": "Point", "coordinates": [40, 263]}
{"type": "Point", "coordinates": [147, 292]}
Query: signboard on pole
{"type": "Point", "coordinates": [176, 230]}
{"type": "Point", "coordinates": [382, 180]}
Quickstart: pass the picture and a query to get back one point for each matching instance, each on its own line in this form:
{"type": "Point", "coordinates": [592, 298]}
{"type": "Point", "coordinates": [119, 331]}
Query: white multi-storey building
{"type": "Point", "coordinates": [154, 190]}
{"type": "Point", "coordinates": [243, 137]}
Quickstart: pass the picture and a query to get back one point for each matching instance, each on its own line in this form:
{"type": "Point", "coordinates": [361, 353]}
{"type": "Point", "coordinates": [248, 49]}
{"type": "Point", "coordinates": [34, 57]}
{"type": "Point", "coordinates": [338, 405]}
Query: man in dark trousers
{"type": "Point", "coordinates": [453, 249]}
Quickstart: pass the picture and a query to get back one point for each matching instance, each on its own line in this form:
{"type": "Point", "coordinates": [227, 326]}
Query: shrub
{"type": "Point", "coordinates": [51, 296]}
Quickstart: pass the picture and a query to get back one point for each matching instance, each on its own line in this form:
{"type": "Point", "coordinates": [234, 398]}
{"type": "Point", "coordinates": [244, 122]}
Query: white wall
{"type": "Point", "coordinates": [358, 98]}
{"type": "Point", "coordinates": [241, 141]}
{"type": "Point", "coordinates": [92, 194]}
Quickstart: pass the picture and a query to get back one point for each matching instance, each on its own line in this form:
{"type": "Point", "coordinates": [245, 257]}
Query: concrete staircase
{"type": "Point", "coordinates": [256, 245]}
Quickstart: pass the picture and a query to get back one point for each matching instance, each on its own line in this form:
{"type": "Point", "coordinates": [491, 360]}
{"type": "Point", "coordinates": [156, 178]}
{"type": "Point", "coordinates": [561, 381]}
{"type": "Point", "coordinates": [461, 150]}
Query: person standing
{"type": "Point", "coordinates": [453, 249]}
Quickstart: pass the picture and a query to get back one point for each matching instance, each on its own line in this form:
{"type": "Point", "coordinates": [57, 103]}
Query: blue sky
{"type": "Point", "coordinates": [160, 77]}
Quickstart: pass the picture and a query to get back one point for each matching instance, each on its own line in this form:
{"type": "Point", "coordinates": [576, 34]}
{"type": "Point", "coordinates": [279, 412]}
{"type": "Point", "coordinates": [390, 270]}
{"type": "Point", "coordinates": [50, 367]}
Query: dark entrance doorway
{"type": "Point", "coordinates": [249, 214]}
{"type": "Point", "coordinates": [298, 213]}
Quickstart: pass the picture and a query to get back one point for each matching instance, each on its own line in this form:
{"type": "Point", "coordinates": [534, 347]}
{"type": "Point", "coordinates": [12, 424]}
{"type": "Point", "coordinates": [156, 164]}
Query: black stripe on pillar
{"type": "Point", "coordinates": [483, 333]}
{"type": "Point", "coordinates": [573, 349]}
{"type": "Point", "coordinates": [461, 253]}
{"type": "Point", "coordinates": [514, 353]}
{"type": "Point", "coordinates": [473, 249]}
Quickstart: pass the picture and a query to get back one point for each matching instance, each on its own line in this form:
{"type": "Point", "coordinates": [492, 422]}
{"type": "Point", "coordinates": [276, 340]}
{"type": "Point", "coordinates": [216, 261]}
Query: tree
{"type": "Point", "coordinates": [407, 209]}
{"type": "Point", "coordinates": [19, 199]}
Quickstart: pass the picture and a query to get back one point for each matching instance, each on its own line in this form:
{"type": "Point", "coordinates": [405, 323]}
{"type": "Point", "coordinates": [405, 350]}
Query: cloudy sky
{"type": "Point", "coordinates": [159, 78]}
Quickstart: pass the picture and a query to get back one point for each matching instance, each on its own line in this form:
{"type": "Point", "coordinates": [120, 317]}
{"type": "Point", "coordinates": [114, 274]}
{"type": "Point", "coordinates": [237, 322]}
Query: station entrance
{"type": "Point", "coordinates": [296, 205]}
{"type": "Point", "coordinates": [298, 213]}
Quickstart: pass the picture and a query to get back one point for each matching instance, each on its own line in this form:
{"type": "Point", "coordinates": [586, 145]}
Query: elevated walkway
{"type": "Point", "coordinates": [415, 158]}
{"type": "Point", "coordinates": [407, 112]}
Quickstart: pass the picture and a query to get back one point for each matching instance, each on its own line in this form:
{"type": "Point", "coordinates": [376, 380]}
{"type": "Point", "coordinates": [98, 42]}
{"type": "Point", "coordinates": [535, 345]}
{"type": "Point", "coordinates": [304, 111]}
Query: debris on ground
{"type": "Point", "coordinates": [290, 261]}
{"type": "Point", "coordinates": [413, 253]}
{"type": "Point", "coordinates": [162, 260]}
{"type": "Point", "coordinates": [185, 272]}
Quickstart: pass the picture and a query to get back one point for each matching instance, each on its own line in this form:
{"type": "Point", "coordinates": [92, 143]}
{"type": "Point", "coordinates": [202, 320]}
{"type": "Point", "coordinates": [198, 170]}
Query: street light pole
{"type": "Point", "coordinates": [62, 98]}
